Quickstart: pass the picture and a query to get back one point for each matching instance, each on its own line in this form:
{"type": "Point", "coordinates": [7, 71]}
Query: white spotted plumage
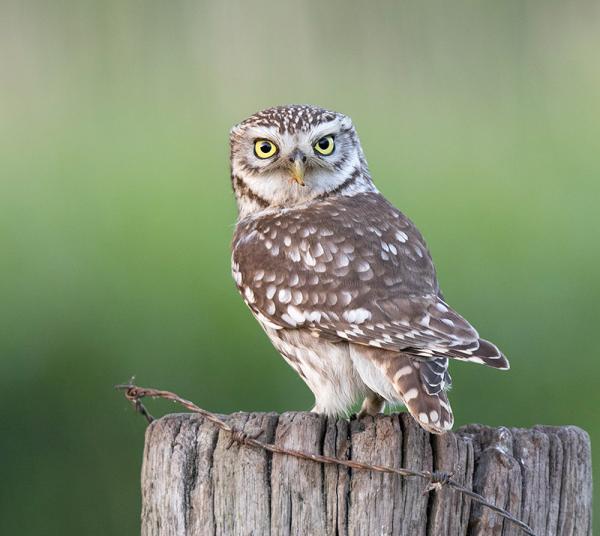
{"type": "Point", "coordinates": [341, 281]}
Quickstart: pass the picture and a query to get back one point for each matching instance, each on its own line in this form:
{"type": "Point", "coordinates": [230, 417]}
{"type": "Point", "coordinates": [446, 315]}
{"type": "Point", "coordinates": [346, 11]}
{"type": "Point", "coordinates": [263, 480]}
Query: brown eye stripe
{"type": "Point", "coordinates": [247, 167]}
{"type": "Point", "coordinates": [352, 178]}
{"type": "Point", "coordinates": [244, 190]}
{"type": "Point", "coordinates": [339, 165]}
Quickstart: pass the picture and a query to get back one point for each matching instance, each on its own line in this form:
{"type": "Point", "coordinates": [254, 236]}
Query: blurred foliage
{"type": "Point", "coordinates": [481, 121]}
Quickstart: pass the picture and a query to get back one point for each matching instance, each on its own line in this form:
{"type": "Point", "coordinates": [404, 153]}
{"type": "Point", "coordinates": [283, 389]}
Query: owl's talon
{"type": "Point", "coordinates": [372, 405]}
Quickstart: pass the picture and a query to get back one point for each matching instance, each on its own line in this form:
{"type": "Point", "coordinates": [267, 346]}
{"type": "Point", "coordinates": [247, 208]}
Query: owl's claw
{"type": "Point", "coordinates": [373, 404]}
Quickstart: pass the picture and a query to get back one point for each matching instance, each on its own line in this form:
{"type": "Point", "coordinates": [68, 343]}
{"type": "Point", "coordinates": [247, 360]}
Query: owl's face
{"type": "Point", "coordinates": [289, 155]}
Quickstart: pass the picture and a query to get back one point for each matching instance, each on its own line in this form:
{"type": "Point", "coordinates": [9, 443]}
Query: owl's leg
{"type": "Point", "coordinates": [372, 405]}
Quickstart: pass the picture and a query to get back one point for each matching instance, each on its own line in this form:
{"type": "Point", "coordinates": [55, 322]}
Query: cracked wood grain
{"type": "Point", "coordinates": [196, 481]}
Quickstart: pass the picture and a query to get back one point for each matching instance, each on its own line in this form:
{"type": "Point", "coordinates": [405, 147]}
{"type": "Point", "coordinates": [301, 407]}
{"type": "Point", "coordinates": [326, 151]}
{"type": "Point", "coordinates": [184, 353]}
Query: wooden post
{"type": "Point", "coordinates": [195, 481]}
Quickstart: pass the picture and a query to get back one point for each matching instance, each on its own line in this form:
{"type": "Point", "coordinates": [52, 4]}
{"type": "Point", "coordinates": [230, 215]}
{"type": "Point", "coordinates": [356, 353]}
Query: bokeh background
{"type": "Point", "coordinates": [480, 120]}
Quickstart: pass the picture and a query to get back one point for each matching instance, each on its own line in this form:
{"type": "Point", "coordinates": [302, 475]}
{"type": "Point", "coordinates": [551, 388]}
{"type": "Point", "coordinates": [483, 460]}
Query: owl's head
{"type": "Point", "coordinates": [288, 155]}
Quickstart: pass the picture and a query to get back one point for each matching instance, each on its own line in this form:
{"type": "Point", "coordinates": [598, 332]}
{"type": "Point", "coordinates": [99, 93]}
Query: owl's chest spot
{"type": "Point", "coordinates": [297, 248]}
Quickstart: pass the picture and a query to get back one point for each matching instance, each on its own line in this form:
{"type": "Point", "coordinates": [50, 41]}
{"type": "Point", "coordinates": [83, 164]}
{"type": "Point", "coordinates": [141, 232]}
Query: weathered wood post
{"type": "Point", "coordinates": [195, 481]}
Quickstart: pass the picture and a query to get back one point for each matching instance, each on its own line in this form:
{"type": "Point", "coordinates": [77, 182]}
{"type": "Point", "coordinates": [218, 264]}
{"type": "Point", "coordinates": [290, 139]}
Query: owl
{"type": "Point", "coordinates": [340, 280]}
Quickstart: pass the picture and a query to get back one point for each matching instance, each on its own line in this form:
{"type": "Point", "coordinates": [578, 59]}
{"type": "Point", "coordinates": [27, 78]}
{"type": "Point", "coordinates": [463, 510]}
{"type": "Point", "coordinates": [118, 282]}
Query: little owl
{"type": "Point", "coordinates": [341, 281]}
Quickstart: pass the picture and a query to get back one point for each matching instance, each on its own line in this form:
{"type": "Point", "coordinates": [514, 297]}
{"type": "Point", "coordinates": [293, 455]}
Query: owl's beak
{"type": "Point", "coordinates": [297, 160]}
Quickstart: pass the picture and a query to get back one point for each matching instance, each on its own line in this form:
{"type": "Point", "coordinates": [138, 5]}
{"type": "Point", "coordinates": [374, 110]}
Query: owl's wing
{"type": "Point", "coordinates": [352, 268]}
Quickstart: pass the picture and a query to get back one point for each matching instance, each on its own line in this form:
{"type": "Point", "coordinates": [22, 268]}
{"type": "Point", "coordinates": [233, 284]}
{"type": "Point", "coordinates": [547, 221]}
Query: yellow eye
{"type": "Point", "coordinates": [264, 148]}
{"type": "Point", "coordinates": [325, 145]}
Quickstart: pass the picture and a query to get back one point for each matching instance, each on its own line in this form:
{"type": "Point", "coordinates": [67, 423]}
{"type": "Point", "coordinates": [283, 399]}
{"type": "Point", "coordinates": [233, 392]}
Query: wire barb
{"type": "Point", "coordinates": [436, 480]}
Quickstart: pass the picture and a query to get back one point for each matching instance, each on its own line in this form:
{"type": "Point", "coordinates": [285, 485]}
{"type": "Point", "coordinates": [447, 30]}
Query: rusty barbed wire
{"type": "Point", "coordinates": [436, 480]}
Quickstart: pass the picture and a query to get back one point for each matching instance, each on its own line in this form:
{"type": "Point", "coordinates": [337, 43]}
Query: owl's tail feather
{"type": "Point", "coordinates": [428, 406]}
{"type": "Point", "coordinates": [481, 351]}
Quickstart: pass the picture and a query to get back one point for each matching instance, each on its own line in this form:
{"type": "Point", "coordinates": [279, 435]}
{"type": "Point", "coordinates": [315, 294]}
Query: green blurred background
{"type": "Point", "coordinates": [480, 120]}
